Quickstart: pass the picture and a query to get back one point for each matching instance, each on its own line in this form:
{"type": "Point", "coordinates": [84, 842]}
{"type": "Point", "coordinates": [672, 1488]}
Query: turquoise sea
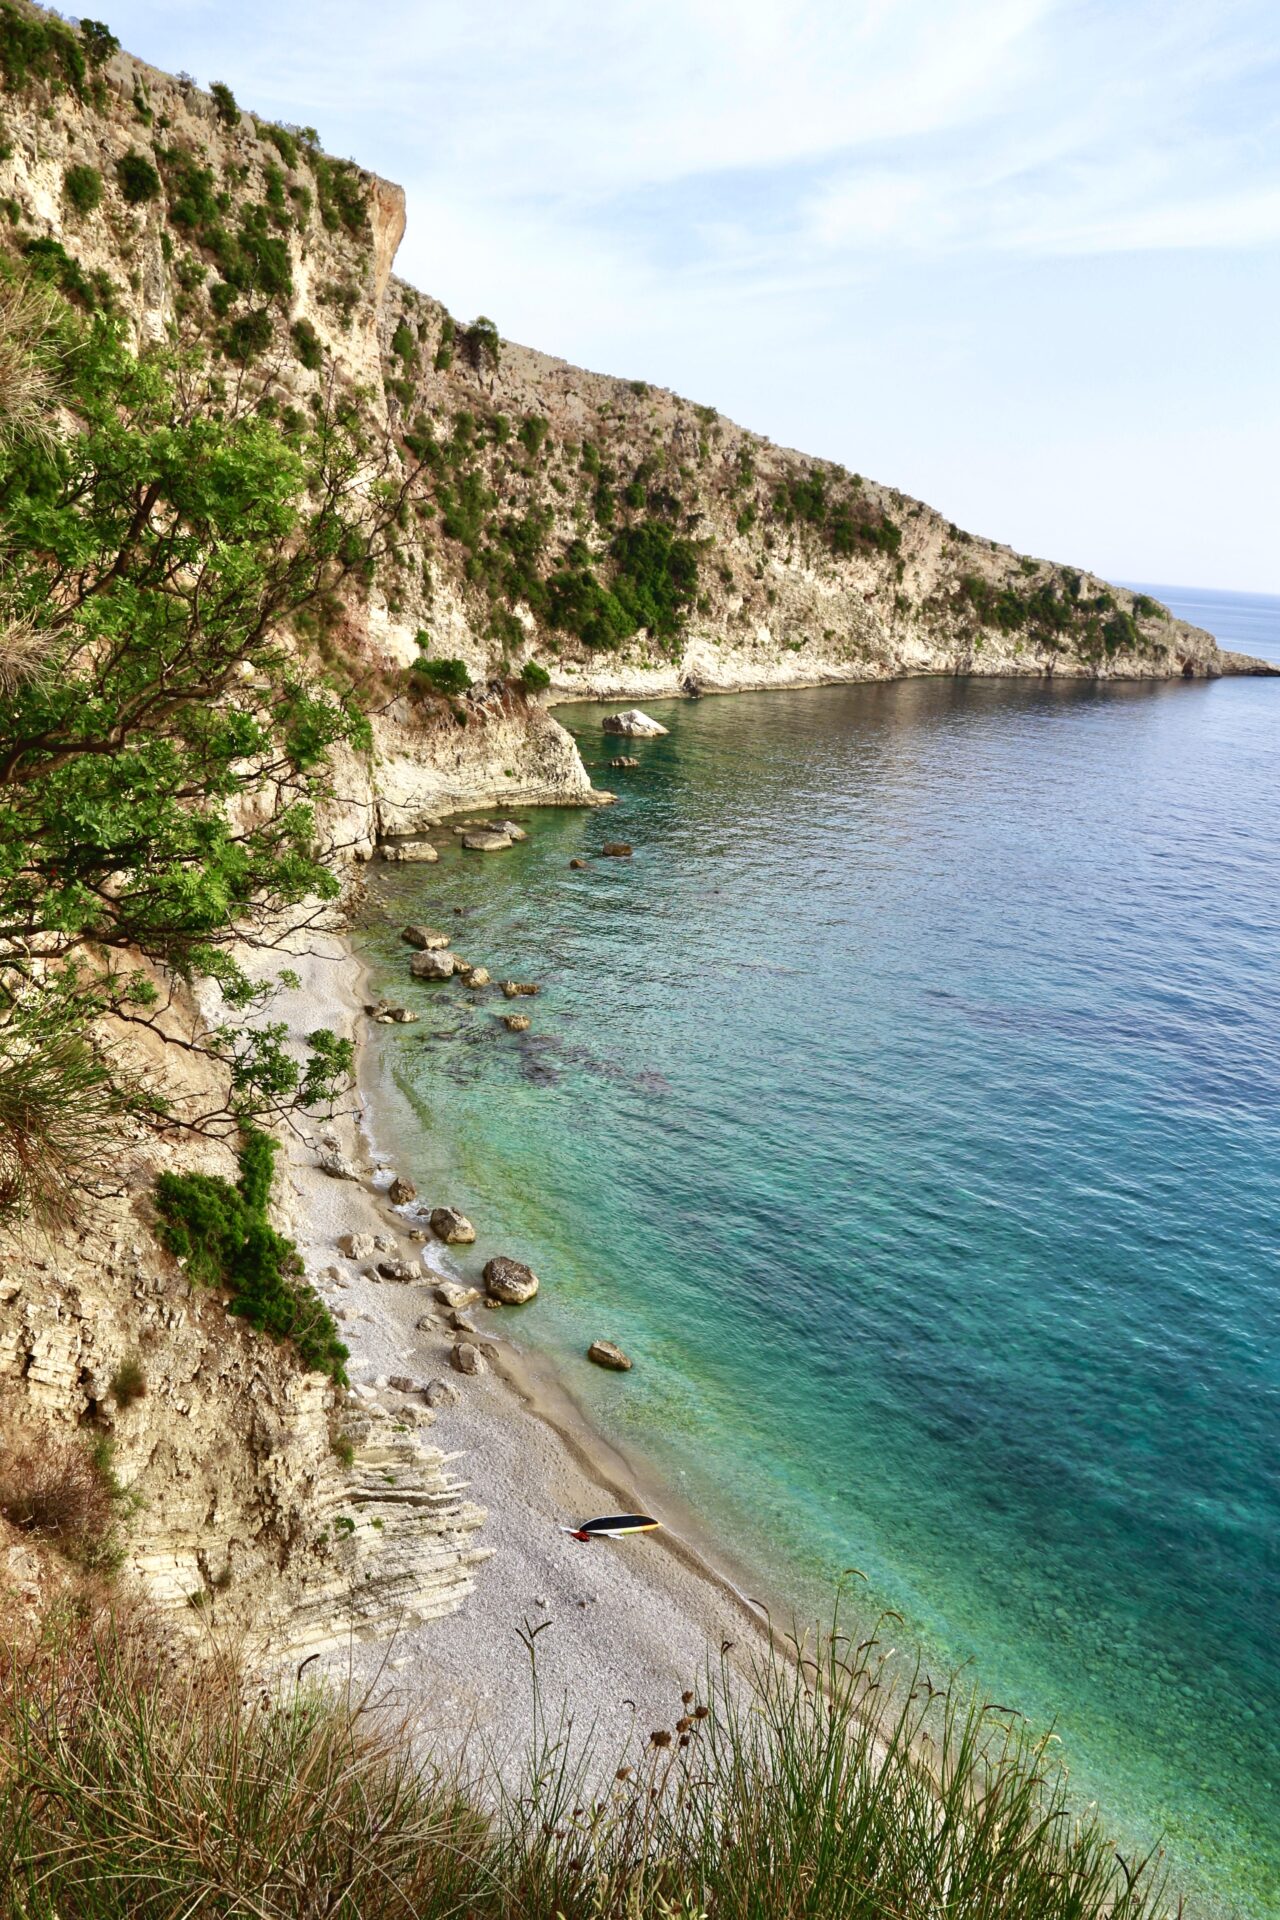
{"type": "Point", "coordinates": [909, 1107]}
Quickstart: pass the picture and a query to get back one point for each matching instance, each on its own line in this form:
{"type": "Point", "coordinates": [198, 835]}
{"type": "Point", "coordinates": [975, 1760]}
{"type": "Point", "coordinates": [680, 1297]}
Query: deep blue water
{"type": "Point", "coordinates": [909, 1107]}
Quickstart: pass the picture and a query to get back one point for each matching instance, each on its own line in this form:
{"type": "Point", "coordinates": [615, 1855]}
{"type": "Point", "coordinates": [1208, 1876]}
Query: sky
{"type": "Point", "coordinates": [1020, 258]}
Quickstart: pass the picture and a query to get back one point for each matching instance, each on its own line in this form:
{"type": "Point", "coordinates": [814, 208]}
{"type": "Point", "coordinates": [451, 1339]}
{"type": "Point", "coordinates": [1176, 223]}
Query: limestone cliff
{"type": "Point", "coordinates": [620, 538]}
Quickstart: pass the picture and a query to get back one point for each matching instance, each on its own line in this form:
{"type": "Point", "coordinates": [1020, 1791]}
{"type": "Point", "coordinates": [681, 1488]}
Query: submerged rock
{"type": "Point", "coordinates": [616, 849]}
{"type": "Point", "coordinates": [509, 1281]}
{"type": "Point", "coordinates": [429, 939]}
{"type": "Point", "coordinates": [625, 760]}
{"type": "Point", "coordinates": [516, 1022]}
{"type": "Point", "coordinates": [579, 864]}
{"type": "Point", "coordinates": [606, 1354]}
{"type": "Point", "coordinates": [455, 1230]}
{"type": "Point", "coordinates": [485, 841]}
{"type": "Point", "coordinates": [632, 722]}
{"type": "Point", "coordinates": [437, 964]}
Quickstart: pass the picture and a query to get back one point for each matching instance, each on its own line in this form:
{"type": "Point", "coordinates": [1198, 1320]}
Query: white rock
{"type": "Point", "coordinates": [634, 723]}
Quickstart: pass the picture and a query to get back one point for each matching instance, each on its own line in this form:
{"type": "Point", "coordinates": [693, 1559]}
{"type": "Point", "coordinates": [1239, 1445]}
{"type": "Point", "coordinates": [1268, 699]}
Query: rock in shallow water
{"type": "Point", "coordinates": [632, 722]}
{"type": "Point", "coordinates": [606, 1354]}
{"type": "Point", "coordinates": [509, 1281]}
{"type": "Point", "coordinates": [411, 850]}
{"type": "Point", "coordinates": [455, 1230]}
{"type": "Point", "coordinates": [516, 1022]}
{"type": "Point", "coordinates": [616, 849]}
{"type": "Point", "coordinates": [429, 939]}
{"type": "Point", "coordinates": [485, 842]}
{"type": "Point", "coordinates": [401, 1191]}
{"type": "Point", "coordinates": [438, 964]}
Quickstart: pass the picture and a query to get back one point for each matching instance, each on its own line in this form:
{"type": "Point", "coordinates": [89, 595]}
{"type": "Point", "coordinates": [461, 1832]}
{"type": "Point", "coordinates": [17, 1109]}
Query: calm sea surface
{"type": "Point", "coordinates": [909, 1107]}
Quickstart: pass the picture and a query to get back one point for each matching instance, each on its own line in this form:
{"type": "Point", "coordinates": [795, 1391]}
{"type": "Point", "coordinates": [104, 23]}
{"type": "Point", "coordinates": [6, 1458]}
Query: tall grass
{"type": "Point", "coordinates": [129, 1788]}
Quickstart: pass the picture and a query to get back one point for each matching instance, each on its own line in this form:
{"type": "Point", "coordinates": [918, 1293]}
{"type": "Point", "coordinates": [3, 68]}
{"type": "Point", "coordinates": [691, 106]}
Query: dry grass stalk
{"type": "Point", "coordinates": [30, 360]}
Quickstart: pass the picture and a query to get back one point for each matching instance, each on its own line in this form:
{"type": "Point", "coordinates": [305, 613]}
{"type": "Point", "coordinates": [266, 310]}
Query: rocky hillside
{"type": "Point", "coordinates": [565, 529]}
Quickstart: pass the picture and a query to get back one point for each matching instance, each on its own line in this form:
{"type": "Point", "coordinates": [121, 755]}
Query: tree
{"type": "Point", "coordinates": [162, 743]}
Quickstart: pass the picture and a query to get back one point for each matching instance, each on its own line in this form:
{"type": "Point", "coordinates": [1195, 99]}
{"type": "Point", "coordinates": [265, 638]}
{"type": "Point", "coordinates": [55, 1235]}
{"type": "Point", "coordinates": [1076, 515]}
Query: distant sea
{"type": "Point", "coordinates": [909, 1108]}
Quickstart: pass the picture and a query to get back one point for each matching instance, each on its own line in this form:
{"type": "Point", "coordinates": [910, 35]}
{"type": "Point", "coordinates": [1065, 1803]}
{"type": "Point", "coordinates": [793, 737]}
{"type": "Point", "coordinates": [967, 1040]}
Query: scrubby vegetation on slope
{"type": "Point", "coordinates": [222, 1236]}
{"type": "Point", "coordinates": [133, 1790]}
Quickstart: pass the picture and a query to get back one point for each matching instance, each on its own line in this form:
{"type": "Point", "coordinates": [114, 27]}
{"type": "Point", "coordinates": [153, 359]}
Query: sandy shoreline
{"type": "Point", "coordinates": [629, 1624]}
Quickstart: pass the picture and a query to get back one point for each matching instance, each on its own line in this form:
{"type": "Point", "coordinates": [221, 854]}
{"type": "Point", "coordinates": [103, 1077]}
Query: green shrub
{"type": "Point", "coordinates": [306, 344]}
{"type": "Point", "coordinates": [248, 335]}
{"type": "Point", "coordinates": [533, 432]}
{"type": "Point", "coordinates": [283, 142]}
{"type": "Point", "coordinates": [341, 193]}
{"type": "Point", "coordinates": [657, 576]}
{"type": "Point", "coordinates": [403, 343]}
{"type": "Point", "coordinates": [83, 188]}
{"type": "Point", "coordinates": [39, 48]}
{"type": "Point", "coordinates": [481, 344]}
{"type": "Point", "coordinates": [98, 41]}
{"type": "Point", "coordinates": [222, 1235]}
{"type": "Point", "coordinates": [128, 1383]}
{"type": "Point", "coordinates": [51, 262]}
{"type": "Point", "coordinates": [443, 676]}
{"type": "Point", "coordinates": [1148, 609]}
{"type": "Point", "coordinates": [534, 676]}
{"type": "Point", "coordinates": [138, 179]}
{"type": "Point", "coordinates": [224, 104]}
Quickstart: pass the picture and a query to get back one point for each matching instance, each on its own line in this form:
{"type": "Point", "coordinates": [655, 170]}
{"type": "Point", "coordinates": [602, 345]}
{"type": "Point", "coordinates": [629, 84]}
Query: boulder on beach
{"type": "Point", "coordinates": [516, 1022]}
{"type": "Point", "coordinates": [428, 939]}
{"type": "Point", "coordinates": [509, 1281]}
{"type": "Point", "coordinates": [633, 722]}
{"type": "Point", "coordinates": [616, 850]}
{"type": "Point", "coordinates": [457, 1294]}
{"type": "Point", "coordinates": [402, 1270]}
{"type": "Point", "coordinates": [438, 1393]}
{"type": "Point", "coordinates": [332, 1161]}
{"type": "Point", "coordinates": [606, 1354]}
{"type": "Point", "coordinates": [401, 1191]}
{"type": "Point", "coordinates": [467, 1358]}
{"type": "Point", "coordinates": [484, 841]}
{"type": "Point", "coordinates": [437, 964]}
{"type": "Point", "coordinates": [454, 1229]}
{"type": "Point", "coordinates": [363, 1246]}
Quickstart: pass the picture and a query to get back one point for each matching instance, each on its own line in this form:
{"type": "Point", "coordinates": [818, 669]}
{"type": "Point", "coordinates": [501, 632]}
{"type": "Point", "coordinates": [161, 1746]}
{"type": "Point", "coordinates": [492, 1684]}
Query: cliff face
{"type": "Point", "coordinates": [625, 540]}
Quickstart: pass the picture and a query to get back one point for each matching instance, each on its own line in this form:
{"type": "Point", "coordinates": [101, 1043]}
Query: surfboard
{"type": "Point", "coordinates": [613, 1526]}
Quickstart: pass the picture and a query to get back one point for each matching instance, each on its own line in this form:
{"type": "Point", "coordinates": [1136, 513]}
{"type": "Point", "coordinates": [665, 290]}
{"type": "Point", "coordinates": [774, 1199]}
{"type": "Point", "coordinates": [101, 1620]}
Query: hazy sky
{"type": "Point", "coordinates": [1020, 258]}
